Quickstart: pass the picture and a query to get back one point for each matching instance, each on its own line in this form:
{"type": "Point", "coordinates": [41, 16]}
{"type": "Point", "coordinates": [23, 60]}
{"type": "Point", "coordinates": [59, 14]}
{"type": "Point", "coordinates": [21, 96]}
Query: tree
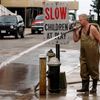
{"type": "Point", "coordinates": [96, 8]}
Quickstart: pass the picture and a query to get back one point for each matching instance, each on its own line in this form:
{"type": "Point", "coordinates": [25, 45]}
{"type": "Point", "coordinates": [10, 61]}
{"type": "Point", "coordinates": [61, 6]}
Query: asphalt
{"type": "Point", "coordinates": [72, 81]}
{"type": "Point", "coordinates": [70, 93]}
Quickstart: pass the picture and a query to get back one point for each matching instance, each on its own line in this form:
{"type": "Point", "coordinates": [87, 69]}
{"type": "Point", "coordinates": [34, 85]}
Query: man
{"type": "Point", "coordinates": [89, 38]}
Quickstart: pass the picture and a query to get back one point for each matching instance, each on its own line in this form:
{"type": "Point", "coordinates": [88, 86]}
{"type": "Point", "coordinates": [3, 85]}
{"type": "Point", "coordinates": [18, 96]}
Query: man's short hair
{"type": "Point", "coordinates": [85, 16]}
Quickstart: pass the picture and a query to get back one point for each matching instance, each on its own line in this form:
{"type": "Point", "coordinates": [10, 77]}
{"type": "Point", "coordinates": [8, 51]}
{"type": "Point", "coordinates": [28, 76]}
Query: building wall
{"type": "Point", "coordinates": [22, 3]}
{"type": "Point", "coordinates": [72, 5]}
{"type": "Point", "coordinates": [15, 3]}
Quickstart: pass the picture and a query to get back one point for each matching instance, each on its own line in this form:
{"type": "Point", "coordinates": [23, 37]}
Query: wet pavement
{"type": "Point", "coordinates": [18, 80]}
{"type": "Point", "coordinates": [16, 76]}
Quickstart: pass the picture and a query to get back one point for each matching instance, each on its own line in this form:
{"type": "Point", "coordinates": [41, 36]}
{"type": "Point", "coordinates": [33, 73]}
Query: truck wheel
{"type": "Point", "coordinates": [22, 33]}
{"type": "Point", "coordinates": [22, 36]}
{"type": "Point", "coordinates": [1, 36]}
{"type": "Point", "coordinates": [16, 35]}
{"type": "Point", "coordinates": [32, 31]}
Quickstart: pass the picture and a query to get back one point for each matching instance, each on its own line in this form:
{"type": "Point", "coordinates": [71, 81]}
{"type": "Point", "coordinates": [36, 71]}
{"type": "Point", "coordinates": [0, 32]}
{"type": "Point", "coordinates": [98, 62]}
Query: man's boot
{"type": "Point", "coordinates": [94, 87]}
{"type": "Point", "coordinates": [85, 86]}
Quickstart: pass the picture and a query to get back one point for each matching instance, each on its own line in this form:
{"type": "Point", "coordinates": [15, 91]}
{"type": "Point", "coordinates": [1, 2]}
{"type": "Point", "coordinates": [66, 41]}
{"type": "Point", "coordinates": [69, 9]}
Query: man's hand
{"type": "Point", "coordinates": [76, 28]}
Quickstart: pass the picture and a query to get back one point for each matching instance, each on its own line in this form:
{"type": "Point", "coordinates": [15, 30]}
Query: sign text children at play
{"type": "Point", "coordinates": [55, 20]}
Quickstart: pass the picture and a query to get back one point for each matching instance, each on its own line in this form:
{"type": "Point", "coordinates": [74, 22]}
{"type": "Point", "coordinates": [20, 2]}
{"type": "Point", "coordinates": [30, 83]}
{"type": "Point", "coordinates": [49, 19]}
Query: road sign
{"type": "Point", "coordinates": [55, 21]}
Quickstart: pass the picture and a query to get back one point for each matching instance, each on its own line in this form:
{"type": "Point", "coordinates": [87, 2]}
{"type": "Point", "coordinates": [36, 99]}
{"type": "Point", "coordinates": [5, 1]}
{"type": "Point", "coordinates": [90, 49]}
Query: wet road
{"type": "Point", "coordinates": [20, 76]}
{"type": "Point", "coordinates": [18, 79]}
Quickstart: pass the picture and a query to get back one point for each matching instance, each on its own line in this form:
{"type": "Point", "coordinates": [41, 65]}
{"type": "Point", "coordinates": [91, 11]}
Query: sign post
{"type": "Point", "coordinates": [56, 23]}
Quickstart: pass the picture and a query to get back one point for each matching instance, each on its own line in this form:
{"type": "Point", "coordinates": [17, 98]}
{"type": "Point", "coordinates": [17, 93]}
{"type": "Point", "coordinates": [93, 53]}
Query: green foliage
{"type": "Point", "coordinates": [96, 5]}
{"type": "Point", "coordinates": [96, 8]}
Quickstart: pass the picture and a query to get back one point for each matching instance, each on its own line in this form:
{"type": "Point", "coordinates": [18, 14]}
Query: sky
{"type": "Point", "coordinates": [84, 6]}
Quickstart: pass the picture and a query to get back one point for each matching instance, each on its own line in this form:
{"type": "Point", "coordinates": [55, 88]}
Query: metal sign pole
{"type": "Point", "coordinates": [58, 51]}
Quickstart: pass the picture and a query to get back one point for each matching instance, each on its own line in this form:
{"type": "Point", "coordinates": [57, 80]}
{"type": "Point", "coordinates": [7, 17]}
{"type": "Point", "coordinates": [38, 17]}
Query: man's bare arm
{"type": "Point", "coordinates": [95, 33]}
{"type": "Point", "coordinates": [76, 36]}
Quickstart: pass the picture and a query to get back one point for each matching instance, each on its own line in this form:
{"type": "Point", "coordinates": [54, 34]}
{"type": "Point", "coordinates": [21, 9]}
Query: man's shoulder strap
{"type": "Point", "coordinates": [80, 31]}
{"type": "Point", "coordinates": [94, 24]}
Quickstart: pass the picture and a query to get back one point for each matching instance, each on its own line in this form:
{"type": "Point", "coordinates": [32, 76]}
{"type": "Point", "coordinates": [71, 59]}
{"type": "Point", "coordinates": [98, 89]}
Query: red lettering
{"type": "Point", "coordinates": [57, 13]}
{"type": "Point", "coordinates": [63, 12]}
{"type": "Point", "coordinates": [47, 14]}
{"type": "Point", "coordinates": [51, 14]}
